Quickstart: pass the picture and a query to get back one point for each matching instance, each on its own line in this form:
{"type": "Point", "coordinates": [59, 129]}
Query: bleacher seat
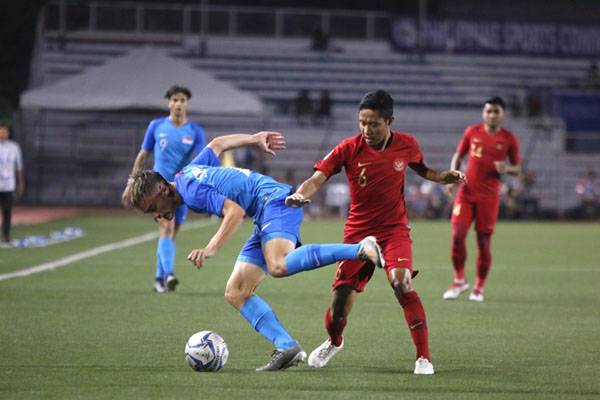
{"type": "Point", "coordinates": [435, 99]}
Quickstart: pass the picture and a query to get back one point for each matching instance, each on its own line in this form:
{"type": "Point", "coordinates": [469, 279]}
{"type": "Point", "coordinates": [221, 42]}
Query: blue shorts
{"type": "Point", "coordinates": [181, 214]}
{"type": "Point", "coordinates": [279, 221]}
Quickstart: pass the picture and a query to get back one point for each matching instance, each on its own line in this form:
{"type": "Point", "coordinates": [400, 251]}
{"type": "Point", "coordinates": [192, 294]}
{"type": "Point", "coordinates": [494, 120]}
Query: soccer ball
{"type": "Point", "coordinates": [206, 351]}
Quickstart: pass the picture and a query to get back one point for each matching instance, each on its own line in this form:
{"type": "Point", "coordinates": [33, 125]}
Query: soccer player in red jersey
{"type": "Point", "coordinates": [375, 162]}
{"type": "Point", "coordinates": [487, 145]}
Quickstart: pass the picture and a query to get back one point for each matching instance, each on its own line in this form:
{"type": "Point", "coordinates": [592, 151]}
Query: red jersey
{"type": "Point", "coordinates": [376, 180]}
{"type": "Point", "coordinates": [484, 149]}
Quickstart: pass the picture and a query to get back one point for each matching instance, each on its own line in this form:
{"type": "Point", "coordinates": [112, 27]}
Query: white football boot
{"type": "Point", "coordinates": [476, 295]}
{"type": "Point", "coordinates": [455, 291]}
{"type": "Point", "coordinates": [159, 286]}
{"type": "Point", "coordinates": [423, 366]}
{"type": "Point", "coordinates": [322, 354]}
{"type": "Point", "coordinates": [369, 251]}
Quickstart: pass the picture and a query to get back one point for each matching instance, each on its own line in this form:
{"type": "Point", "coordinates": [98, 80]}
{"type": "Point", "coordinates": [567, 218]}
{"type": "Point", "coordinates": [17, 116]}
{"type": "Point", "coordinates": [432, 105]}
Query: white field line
{"type": "Point", "coordinates": [96, 251]}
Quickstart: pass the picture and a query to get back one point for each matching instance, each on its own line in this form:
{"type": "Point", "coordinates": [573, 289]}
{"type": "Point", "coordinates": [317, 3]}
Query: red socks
{"type": "Point", "coordinates": [484, 259]}
{"type": "Point", "coordinates": [415, 318]}
{"type": "Point", "coordinates": [459, 255]}
{"type": "Point", "coordinates": [413, 313]}
{"type": "Point", "coordinates": [459, 250]}
{"type": "Point", "coordinates": [334, 329]}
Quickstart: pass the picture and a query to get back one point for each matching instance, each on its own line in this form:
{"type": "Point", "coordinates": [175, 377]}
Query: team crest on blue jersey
{"type": "Point", "coordinates": [398, 165]}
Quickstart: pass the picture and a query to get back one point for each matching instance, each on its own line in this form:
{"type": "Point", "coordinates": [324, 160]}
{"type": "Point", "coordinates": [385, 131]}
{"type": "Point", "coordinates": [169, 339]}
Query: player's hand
{"type": "Point", "coordinates": [126, 198]}
{"type": "Point", "coordinates": [198, 256]}
{"type": "Point", "coordinates": [501, 167]}
{"type": "Point", "coordinates": [453, 176]}
{"type": "Point", "coordinates": [269, 141]}
{"type": "Point", "coordinates": [296, 200]}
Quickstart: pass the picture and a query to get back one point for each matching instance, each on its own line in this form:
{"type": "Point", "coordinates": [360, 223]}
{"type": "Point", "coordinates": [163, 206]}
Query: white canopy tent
{"type": "Point", "coordinates": [138, 80]}
{"type": "Point", "coordinates": [81, 134]}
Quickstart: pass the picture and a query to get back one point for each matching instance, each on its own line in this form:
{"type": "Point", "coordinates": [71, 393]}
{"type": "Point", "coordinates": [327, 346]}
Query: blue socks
{"type": "Point", "coordinates": [313, 256]}
{"type": "Point", "coordinates": [165, 257]}
{"type": "Point", "coordinates": [263, 319]}
{"type": "Point", "coordinates": [159, 269]}
{"type": "Point", "coordinates": [305, 258]}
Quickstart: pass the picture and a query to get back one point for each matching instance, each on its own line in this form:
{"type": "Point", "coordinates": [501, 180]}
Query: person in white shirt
{"type": "Point", "coordinates": [11, 166]}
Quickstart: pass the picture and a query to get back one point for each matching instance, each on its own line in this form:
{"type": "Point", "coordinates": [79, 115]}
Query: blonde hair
{"type": "Point", "coordinates": [141, 184]}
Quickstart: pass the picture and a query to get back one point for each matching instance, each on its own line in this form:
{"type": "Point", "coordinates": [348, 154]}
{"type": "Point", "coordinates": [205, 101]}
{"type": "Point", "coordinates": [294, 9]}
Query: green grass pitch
{"type": "Point", "coordinates": [94, 329]}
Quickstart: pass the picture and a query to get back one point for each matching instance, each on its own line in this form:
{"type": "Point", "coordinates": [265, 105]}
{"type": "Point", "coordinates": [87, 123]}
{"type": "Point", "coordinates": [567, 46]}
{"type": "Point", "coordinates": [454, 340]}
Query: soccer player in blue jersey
{"type": "Point", "coordinates": [273, 248]}
{"type": "Point", "coordinates": [175, 141]}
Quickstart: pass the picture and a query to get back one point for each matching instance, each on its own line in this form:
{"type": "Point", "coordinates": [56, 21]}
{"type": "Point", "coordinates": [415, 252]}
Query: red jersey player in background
{"type": "Point", "coordinates": [487, 145]}
{"type": "Point", "coordinates": [375, 162]}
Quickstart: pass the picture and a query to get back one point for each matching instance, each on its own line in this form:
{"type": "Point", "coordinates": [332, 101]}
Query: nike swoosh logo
{"type": "Point", "coordinates": [363, 164]}
{"type": "Point", "coordinates": [316, 259]}
{"type": "Point", "coordinates": [403, 259]}
{"type": "Point", "coordinates": [415, 325]}
{"type": "Point", "coordinates": [162, 134]}
{"type": "Point", "coordinates": [477, 140]}
{"type": "Point", "coordinates": [265, 226]}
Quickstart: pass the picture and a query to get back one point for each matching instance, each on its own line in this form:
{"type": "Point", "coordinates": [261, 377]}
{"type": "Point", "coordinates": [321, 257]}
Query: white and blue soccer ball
{"type": "Point", "coordinates": [206, 351]}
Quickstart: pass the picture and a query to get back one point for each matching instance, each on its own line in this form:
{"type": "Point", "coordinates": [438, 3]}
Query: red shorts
{"type": "Point", "coordinates": [484, 209]}
{"type": "Point", "coordinates": [397, 252]}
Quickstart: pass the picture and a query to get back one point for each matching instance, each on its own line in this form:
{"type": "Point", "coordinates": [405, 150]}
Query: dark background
{"type": "Point", "coordinates": [18, 19]}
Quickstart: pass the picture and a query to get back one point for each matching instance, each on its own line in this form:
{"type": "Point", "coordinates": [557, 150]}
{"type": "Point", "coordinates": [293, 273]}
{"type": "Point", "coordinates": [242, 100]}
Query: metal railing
{"type": "Point", "coordinates": [69, 16]}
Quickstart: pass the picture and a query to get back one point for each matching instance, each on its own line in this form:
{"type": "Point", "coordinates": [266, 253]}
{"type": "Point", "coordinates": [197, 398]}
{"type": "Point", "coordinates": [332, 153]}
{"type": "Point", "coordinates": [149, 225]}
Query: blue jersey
{"type": "Point", "coordinates": [173, 147]}
{"type": "Point", "coordinates": [204, 185]}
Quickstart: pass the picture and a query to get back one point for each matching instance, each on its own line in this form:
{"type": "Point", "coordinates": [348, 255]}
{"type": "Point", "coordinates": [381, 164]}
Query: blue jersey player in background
{"type": "Point", "coordinates": [273, 248]}
{"type": "Point", "coordinates": [175, 141]}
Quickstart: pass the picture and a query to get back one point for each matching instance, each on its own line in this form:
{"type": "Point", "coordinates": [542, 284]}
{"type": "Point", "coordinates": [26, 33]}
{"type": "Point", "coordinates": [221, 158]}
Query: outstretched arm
{"type": "Point", "coordinates": [233, 216]}
{"type": "Point", "coordinates": [306, 190]}
{"type": "Point", "coordinates": [446, 177]}
{"type": "Point", "coordinates": [266, 141]}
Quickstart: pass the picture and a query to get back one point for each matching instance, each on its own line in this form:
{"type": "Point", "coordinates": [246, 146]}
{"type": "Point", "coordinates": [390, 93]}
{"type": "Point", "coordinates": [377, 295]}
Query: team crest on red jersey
{"type": "Point", "coordinates": [398, 164]}
{"type": "Point", "coordinates": [499, 146]}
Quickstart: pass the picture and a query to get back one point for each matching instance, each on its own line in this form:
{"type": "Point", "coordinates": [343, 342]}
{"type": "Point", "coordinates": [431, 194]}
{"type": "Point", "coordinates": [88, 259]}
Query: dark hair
{"type": "Point", "coordinates": [8, 128]}
{"type": "Point", "coordinates": [178, 89]}
{"type": "Point", "coordinates": [380, 101]}
{"type": "Point", "coordinates": [497, 100]}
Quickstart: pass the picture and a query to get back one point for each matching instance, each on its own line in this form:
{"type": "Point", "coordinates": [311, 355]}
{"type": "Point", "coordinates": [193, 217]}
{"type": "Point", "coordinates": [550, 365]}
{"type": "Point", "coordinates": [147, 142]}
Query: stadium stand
{"type": "Point", "coordinates": [435, 100]}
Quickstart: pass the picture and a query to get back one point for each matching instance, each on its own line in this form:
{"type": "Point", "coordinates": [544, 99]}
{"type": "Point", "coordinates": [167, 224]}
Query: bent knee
{"type": "Point", "coordinates": [338, 315]}
{"type": "Point", "coordinates": [278, 269]}
{"type": "Point", "coordinates": [236, 297]}
{"type": "Point", "coordinates": [402, 286]}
